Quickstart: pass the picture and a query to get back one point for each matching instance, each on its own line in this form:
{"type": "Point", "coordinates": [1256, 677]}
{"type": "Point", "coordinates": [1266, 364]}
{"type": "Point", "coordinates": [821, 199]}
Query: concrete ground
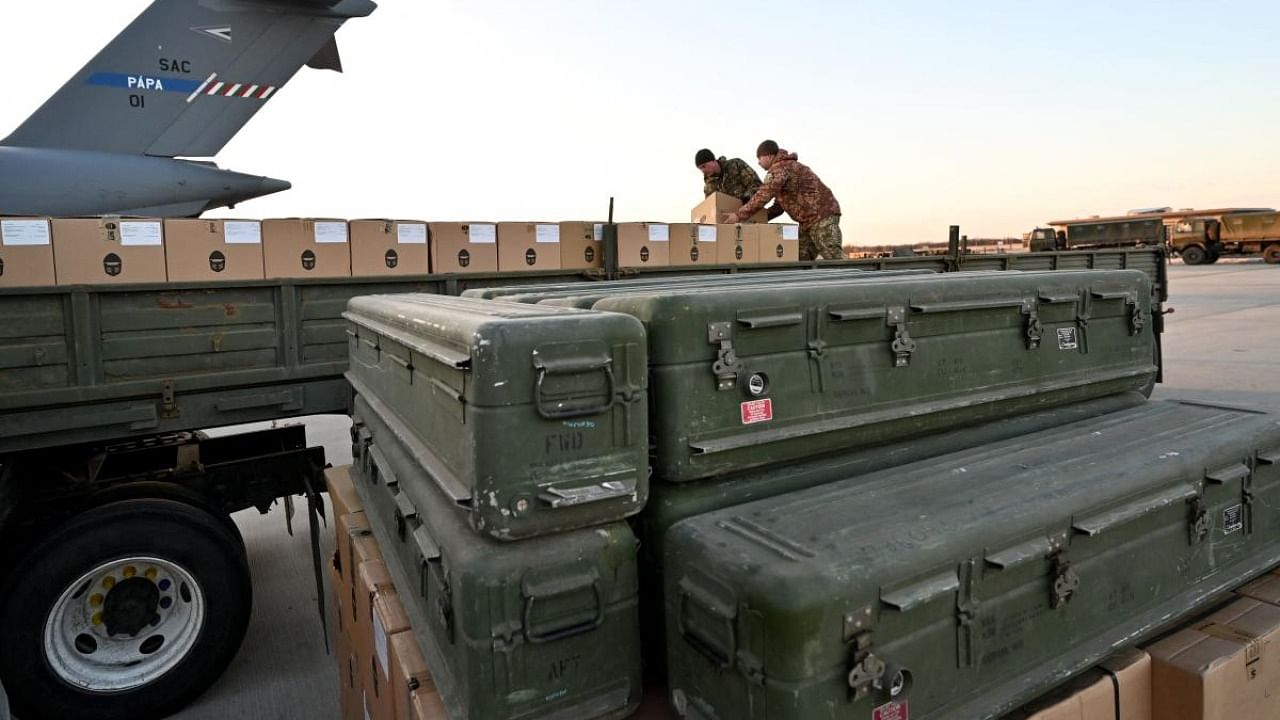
{"type": "Point", "coordinates": [1221, 344]}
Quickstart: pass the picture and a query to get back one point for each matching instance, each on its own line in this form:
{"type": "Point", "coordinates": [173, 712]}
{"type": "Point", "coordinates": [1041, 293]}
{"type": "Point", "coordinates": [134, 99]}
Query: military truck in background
{"type": "Point", "coordinates": [104, 395]}
{"type": "Point", "coordinates": [1098, 233]}
{"type": "Point", "coordinates": [1201, 240]}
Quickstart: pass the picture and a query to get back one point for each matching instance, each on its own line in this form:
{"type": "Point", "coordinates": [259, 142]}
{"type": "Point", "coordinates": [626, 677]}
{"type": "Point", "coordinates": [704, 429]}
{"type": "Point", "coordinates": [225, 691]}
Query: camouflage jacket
{"type": "Point", "coordinates": [798, 190]}
{"type": "Point", "coordinates": [736, 178]}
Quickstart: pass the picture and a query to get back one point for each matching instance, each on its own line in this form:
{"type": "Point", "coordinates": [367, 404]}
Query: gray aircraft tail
{"type": "Point", "coordinates": [186, 75]}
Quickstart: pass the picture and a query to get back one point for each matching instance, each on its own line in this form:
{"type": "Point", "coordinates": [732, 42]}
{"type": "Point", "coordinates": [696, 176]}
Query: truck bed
{"type": "Point", "coordinates": [103, 363]}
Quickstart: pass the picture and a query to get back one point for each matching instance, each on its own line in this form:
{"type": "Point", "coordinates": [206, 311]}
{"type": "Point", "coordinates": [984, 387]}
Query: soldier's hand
{"type": "Point", "coordinates": [731, 219]}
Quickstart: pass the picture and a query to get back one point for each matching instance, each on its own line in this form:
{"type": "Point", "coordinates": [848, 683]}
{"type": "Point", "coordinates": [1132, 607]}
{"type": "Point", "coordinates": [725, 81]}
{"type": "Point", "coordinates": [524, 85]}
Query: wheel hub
{"type": "Point", "coordinates": [130, 606]}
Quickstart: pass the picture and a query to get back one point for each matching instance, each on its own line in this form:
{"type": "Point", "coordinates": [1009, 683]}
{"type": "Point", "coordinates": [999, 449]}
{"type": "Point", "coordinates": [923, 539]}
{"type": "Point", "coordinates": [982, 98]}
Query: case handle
{"type": "Point", "coordinates": [572, 367]}
{"type": "Point", "coordinates": [534, 592]}
{"type": "Point", "coordinates": [722, 654]}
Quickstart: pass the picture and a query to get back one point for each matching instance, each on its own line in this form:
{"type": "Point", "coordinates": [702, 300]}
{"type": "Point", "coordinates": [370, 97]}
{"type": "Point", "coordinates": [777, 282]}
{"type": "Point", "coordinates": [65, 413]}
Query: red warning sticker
{"type": "Point", "coordinates": [756, 411]}
{"type": "Point", "coordinates": [891, 711]}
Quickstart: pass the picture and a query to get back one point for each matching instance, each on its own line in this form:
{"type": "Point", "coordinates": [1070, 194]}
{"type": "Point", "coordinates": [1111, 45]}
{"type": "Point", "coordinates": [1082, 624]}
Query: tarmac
{"type": "Point", "coordinates": [1221, 344]}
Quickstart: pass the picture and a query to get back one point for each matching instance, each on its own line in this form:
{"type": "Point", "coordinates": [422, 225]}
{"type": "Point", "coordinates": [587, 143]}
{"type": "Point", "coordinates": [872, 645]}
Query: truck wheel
{"type": "Point", "coordinates": [1194, 255]}
{"type": "Point", "coordinates": [129, 610]}
{"type": "Point", "coordinates": [1272, 254]}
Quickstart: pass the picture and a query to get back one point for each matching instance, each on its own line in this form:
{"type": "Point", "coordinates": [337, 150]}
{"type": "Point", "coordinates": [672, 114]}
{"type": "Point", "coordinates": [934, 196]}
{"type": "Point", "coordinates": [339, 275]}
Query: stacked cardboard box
{"type": "Point", "coordinates": [693, 244]}
{"type": "Point", "coordinates": [1117, 689]}
{"type": "Point", "coordinates": [306, 247]}
{"type": "Point", "coordinates": [644, 244]}
{"type": "Point", "coordinates": [108, 250]}
{"type": "Point", "coordinates": [203, 250]}
{"type": "Point", "coordinates": [381, 671]}
{"type": "Point", "coordinates": [528, 246]}
{"type": "Point", "coordinates": [581, 245]}
{"type": "Point", "coordinates": [464, 247]}
{"type": "Point", "coordinates": [1225, 665]}
{"type": "Point", "coordinates": [776, 242]}
{"type": "Point", "coordinates": [26, 252]}
{"type": "Point", "coordinates": [389, 247]}
{"type": "Point", "coordinates": [713, 209]}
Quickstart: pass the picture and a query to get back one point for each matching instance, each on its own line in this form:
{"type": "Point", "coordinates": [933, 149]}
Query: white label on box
{"type": "Point", "coordinates": [331, 232]}
{"type": "Point", "coordinates": [597, 232]}
{"type": "Point", "coordinates": [141, 233]}
{"type": "Point", "coordinates": [411, 233]}
{"type": "Point", "coordinates": [706, 233]}
{"type": "Point", "coordinates": [380, 644]}
{"type": "Point", "coordinates": [482, 234]}
{"type": "Point", "coordinates": [242, 232]}
{"type": "Point", "coordinates": [790, 232]}
{"type": "Point", "coordinates": [659, 233]}
{"type": "Point", "coordinates": [24, 232]}
{"type": "Point", "coordinates": [547, 233]}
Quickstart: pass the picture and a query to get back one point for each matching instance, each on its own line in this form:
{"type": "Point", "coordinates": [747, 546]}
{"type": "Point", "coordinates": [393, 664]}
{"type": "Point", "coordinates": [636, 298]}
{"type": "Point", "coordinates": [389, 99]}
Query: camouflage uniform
{"type": "Point", "coordinates": [736, 178]}
{"type": "Point", "coordinates": [807, 200]}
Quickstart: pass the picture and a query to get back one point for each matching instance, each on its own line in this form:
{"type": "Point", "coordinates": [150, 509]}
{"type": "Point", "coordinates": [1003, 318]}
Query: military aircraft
{"type": "Point", "coordinates": [178, 83]}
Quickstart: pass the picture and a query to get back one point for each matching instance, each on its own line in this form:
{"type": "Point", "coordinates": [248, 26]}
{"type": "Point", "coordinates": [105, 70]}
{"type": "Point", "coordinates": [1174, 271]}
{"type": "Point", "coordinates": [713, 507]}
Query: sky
{"type": "Point", "coordinates": [994, 116]}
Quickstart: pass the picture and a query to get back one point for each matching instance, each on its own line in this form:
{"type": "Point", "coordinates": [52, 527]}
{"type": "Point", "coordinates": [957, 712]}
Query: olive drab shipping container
{"type": "Point", "coordinates": [546, 627]}
{"type": "Point", "coordinates": [767, 374]}
{"type": "Point", "coordinates": [964, 585]}
{"type": "Point", "coordinates": [532, 418]}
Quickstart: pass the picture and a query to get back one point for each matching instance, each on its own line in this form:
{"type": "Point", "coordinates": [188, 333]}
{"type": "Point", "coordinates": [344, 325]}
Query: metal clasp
{"type": "Point", "coordinates": [726, 365]}
{"type": "Point", "coordinates": [902, 345]}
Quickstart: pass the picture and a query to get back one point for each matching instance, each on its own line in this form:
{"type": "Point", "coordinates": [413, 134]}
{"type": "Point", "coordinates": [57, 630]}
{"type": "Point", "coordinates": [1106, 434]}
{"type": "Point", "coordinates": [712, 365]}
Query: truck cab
{"type": "Point", "coordinates": [1196, 240]}
{"type": "Point", "coordinates": [1045, 240]}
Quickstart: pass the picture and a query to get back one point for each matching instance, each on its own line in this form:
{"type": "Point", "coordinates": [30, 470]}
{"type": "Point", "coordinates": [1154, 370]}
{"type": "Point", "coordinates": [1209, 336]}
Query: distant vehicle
{"type": "Point", "coordinates": [178, 82]}
{"type": "Point", "coordinates": [1204, 240]}
{"type": "Point", "coordinates": [1099, 233]}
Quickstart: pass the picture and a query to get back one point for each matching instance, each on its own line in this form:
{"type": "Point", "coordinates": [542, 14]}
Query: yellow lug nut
{"type": "Point", "coordinates": [96, 600]}
{"type": "Point", "coordinates": [130, 571]}
{"type": "Point", "coordinates": [97, 618]}
{"type": "Point", "coordinates": [151, 573]}
{"type": "Point", "coordinates": [108, 582]}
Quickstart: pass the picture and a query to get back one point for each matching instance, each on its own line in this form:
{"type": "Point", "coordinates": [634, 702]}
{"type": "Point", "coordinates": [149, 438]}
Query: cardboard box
{"type": "Point", "coordinates": [389, 247]}
{"type": "Point", "coordinates": [712, 210]}
{"type": "Point", "coordinates": [427, 704]}
{"type": "Point", "coordinates": [528, 246]}
{"type": "Point", "coordinates": [644, 244]}
{"type": "Point", "coordinates": [356, 545]}
{"type": "Point", "coordinates": [409, 673]}
{"type": "Point", "coordinates": [341, 487]}
{"type": "Point", "coordinates": [1265, 589]}
{"type": "Point", "coordinates": [581, 245]}
{"type": "Point", "coordinates": [777, 242]}
{"type": "Point", "coordinates": [107, 250]}
{"type": "Point", "coordinates": [26, 252]}
{"type": "Point", "coordinates": [737, 245]}
{"type": "Point", "coordinates": [201, 250]}
{"type": "Point", "coordinates": [1118, 689]}
{"type": "Point", "coordinates": [344, 657]}
{"type": "Point", "coordinates": [305, 247]}
{"type": "Point", "coordinates": [694, 244]}
{"type": "Point", "coordinates": [389, 618]}
{"type": "Point", "coordinates": [464, 247]}
{"type": "Point", "coordinates": [1226, 666]}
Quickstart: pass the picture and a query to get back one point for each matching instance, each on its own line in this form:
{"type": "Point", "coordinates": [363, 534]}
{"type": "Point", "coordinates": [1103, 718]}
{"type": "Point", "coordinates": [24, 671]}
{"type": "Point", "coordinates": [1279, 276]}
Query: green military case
{"type": "Point", "coordinates": [586, 297]}
{"type": "Point", "coordinates": [765, 375]}
{"type": "Point", "coordinates": [962, 586]}
{"type": "Point", "coordinates": [506, 291]}
{"type": "Point", "coordinates": [532, 418]}
{"type": "Point", "coordinates": [542, 628]}
{"type": "Point", "coordinates": [669, 503]}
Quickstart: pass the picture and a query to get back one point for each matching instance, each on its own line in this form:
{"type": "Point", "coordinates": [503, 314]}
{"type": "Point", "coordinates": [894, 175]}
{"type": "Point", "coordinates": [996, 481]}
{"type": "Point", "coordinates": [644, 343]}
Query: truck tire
{"type": "Point", "coordinates": [1272, 254]}
{"type": "Point", "coordinates": [129, 610]}
{"type": "Point", "coordinates": [1193, 255]}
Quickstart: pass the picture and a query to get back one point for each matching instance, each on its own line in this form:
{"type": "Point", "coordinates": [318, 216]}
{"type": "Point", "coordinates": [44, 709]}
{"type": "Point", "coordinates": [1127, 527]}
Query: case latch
{"type": "Point", "coordinates": [1198, 520]}
{"type": "Point", "coordinates": [1035, 329]}
{"type": "Point", "coordinates": [1064, 585]}
{"type": "Point", "coordinates": [902, 345]}
{"type": "Point", "coordinates": [726, 365]}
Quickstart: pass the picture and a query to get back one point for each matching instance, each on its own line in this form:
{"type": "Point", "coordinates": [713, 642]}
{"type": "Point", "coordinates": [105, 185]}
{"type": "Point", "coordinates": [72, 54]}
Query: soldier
{"type": "Point", "coordinates": [731, 177]}
{"type": "Point", "coordinates": [803, 196]}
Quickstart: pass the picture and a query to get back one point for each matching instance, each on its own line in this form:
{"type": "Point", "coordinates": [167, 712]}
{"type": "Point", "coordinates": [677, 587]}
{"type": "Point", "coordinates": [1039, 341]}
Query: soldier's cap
{"type": "Point", "coordinates": [704, 156]}
{"type": "Point", "coordinates": [768, 147]}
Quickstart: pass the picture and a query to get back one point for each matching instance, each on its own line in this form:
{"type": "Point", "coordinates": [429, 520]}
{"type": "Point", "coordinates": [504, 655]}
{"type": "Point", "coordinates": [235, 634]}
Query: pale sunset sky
{"type": "Point", "coordinates": [996, 116]}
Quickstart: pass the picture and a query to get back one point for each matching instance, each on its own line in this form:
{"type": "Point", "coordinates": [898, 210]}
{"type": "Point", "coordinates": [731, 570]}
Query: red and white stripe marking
{"type": "Point", "coordinates": [212, 86]}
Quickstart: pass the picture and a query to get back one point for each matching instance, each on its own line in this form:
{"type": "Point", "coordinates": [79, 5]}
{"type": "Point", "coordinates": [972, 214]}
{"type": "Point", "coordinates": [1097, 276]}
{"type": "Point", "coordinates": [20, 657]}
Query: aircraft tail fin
{"type": "Point", "coordinates": [186, 75]}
